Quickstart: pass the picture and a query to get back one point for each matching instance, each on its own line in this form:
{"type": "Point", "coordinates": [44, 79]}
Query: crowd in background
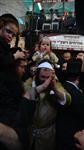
{"type": "Point", "coordinates": [66, 21]}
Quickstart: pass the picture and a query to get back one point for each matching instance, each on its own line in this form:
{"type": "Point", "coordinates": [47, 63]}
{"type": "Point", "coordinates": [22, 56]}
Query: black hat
{"type": "Point", "coordinates": [74, 67]}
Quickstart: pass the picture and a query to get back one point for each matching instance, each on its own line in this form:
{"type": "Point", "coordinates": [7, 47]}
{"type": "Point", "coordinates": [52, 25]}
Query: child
{"type": "Point", "coordinates": [45, 51]}
{"type": "Point", "coordinates": [13, 110]}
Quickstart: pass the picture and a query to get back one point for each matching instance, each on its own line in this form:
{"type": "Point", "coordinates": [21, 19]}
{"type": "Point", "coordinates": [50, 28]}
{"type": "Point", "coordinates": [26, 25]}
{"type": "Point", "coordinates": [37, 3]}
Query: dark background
{"type": "Point", "coordinates": [79, 10]}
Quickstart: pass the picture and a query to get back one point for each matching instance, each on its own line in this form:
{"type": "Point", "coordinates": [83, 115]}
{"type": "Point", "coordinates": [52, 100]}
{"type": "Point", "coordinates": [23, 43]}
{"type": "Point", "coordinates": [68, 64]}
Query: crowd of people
{"type": "Point", "coordinates": [66, 21]}
{"type": "Point", "coordinates": [41, 94]}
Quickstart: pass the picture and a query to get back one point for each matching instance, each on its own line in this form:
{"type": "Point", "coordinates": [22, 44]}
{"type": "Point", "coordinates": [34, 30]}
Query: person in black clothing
{"type": "Point", "coordinates": [15, 109]}
{"type": "Point", "coordinates": [41, 19]}
{"type": "Point", "coordinates": [71, 119]}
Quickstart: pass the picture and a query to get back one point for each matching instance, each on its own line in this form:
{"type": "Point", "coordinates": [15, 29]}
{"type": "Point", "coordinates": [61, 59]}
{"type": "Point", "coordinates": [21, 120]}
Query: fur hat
{"type": "Point", "coordinates": [74, 67]}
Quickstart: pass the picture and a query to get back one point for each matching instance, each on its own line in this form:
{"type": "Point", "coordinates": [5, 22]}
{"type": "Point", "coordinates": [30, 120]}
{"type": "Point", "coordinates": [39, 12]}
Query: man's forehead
{"type": "Point", "coordinates": [45, 71]}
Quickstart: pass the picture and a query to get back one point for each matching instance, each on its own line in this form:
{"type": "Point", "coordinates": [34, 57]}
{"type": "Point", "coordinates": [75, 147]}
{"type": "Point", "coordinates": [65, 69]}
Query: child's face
{"type": "Point", "coordinates": [45, 45]}
{"type": "Point", "coordinates": [8, 32]}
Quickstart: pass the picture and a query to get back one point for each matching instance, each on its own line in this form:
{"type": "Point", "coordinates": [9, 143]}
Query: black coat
{"type": "Point", "coordinates": [15, 111]}
{"type": "Point", "coordinates": [70, 119]}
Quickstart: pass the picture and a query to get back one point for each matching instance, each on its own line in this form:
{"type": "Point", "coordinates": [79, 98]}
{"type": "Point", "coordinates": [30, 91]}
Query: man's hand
{"type": "Point", "coordinates": [9, 137]}
{"type": "Point", "coordinates": [53, 80]}
{"type": "Point", "coordinates": [79, 137]}
{"type": "Point", "coordinates": [19, 54]}
{"type": "Point", "coordinates": [44, 86]}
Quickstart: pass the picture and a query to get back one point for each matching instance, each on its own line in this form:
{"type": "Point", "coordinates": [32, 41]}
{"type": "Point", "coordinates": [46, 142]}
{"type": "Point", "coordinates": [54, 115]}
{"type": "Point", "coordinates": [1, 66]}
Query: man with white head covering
{"type": "Point", "coordinates": [47, 91]}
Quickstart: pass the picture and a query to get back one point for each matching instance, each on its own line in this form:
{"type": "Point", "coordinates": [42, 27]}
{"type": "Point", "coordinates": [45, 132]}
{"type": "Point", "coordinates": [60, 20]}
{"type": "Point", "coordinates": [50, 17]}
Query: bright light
{"type": "Point", "coordinates": [39, 5]}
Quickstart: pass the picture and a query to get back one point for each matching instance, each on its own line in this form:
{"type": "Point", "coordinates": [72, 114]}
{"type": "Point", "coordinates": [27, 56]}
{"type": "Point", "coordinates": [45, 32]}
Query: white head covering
{"type": "Point", "coordinates": [45, 65]}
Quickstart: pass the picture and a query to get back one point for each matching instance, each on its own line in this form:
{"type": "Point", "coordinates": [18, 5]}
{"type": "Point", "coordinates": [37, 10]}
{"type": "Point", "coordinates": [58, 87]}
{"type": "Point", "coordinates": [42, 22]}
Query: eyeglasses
{"type": "Point", "coordinates": [10, 32]}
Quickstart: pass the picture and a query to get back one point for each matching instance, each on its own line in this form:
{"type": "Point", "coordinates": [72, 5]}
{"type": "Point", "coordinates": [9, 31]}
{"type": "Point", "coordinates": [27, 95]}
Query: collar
{"type": "Point", "coordinates": [73, 85]}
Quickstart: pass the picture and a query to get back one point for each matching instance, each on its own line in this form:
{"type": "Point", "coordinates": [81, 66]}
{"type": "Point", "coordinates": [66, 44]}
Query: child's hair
{"type": "Point", "coordinates": [8, 18]}
{"type": "Point", "coordinates": [41, 40]}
